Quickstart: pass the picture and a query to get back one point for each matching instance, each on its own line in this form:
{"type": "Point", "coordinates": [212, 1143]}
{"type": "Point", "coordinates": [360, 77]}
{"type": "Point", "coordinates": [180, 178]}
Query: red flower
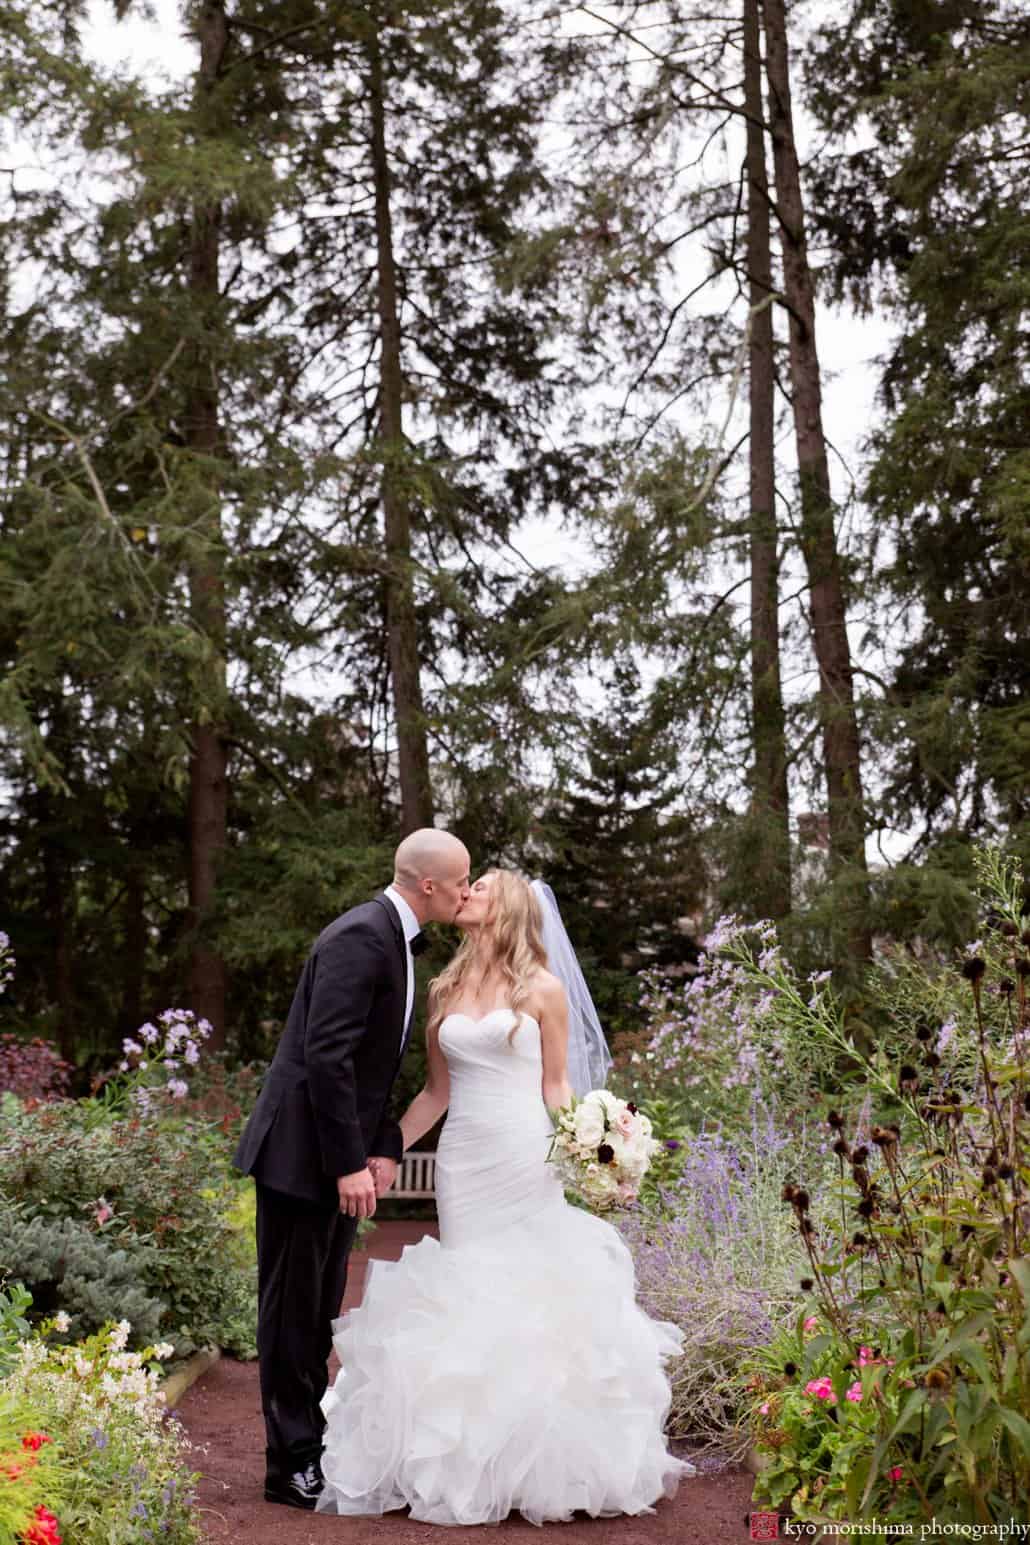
{"type": "Point", "coordinates": [34, 1440]}
{"type": "Point", "coordinates": [43, 1530]}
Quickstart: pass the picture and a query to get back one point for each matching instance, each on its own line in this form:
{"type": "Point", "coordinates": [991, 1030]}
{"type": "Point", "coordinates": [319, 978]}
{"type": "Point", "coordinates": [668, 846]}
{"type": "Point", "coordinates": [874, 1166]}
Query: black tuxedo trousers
{"type": "Point", "coordinates": [322, 1113]}
{"type": "Point", "coordinates": [303, 1250]}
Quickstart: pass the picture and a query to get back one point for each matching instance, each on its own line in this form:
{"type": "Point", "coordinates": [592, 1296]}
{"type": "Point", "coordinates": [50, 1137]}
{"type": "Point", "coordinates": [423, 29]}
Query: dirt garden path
{"type": "Point", "coordinates": [222, 1413]}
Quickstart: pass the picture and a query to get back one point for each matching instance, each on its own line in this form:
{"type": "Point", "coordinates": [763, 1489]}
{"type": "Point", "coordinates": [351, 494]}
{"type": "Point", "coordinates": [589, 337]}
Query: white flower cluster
{"type": "Point", "coordinates": [91, 1379]}
{"type": "Point", "coordinates": [603, 1148]}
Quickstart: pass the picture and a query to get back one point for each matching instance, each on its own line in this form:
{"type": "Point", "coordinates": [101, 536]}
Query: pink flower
{"type": "Point", "coordinates": [895, 1473]}
{"type": "Point", "coordinates": [104, 1211]}
{"type": "Point", "coordinates": [811, 1322]}
{"type": "Point", "coordinates": [854, 1391]}
{"type": "Point", "coordinates": [764, 1408]}
{"type": "Point", "coordinates": [821, 1388]}
{"type": "Point", "coordinates": [865, 1355]}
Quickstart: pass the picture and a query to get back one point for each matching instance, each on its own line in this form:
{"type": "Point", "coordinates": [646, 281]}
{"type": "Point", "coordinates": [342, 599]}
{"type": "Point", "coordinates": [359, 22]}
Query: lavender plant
{"type": "Point", "coordinates": [710, 1042]}
{"type": "Point", "coordinates": [719, 1260]}
{"type": "Point", "coordinates": [913, 1403]}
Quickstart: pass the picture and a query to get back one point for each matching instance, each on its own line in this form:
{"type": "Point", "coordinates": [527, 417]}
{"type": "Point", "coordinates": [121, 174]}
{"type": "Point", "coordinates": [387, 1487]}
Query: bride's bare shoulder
{"type": "Point", "coordinates": [548, 992]}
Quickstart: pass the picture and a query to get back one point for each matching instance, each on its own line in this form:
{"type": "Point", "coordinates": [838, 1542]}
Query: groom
{"type": "Point", "coordinates": [322, 1145]}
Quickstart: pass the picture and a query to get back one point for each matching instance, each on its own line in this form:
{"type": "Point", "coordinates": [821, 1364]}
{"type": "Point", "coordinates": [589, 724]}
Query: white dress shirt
{"type": "Point", "coordinates": [411, 926]}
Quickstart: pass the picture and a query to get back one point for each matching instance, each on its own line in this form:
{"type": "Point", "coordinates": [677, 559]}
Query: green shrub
{"type": "Point", "coordinates": [719, 1260]}
{"type": "Point", "coordinates": [159, 1189]}
{"type": "Point", "coordinates": [67, 1267]}
{"type": "Point", "coordinates": [919, 1272]}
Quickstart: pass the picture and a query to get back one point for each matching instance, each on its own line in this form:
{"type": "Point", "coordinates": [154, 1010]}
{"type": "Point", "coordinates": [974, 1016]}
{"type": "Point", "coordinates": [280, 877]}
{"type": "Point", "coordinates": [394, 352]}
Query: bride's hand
{"type": "Point", "coordinates": [384, 1173]}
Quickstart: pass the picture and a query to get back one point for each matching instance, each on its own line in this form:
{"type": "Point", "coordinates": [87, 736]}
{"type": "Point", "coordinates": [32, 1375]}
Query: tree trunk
{"type": "Point", "coordinates": [135, 948]}
{"type": "Point", "coordinates": [57, 883]}
{"type": "Point", "coordinates": [208, 763]}
{"type": "Point", "coordinates": [841, 752]}
{"type": "Point", "coordinates": [769, 791]}
{"type": "Point", "coordinates": [401, 621]}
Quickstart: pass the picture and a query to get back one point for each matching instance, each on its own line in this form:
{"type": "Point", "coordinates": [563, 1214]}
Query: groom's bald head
{"type": "Point", "coordinates": [431, 869]}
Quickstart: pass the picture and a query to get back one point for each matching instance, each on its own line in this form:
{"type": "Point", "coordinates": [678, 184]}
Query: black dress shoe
{"type": "Point", "coordinates": [301, 1489]}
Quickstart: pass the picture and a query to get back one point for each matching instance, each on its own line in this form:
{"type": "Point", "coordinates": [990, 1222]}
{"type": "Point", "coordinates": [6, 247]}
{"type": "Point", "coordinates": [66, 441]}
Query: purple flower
{"type": "Point", "coordinates": [672, 1143]}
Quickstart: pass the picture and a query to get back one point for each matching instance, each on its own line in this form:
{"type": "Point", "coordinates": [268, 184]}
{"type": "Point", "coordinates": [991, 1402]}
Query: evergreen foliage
{"type": "Point", "coordinates": [66, 1266]}
{"type": "Point", "coordinates": [930, 216]}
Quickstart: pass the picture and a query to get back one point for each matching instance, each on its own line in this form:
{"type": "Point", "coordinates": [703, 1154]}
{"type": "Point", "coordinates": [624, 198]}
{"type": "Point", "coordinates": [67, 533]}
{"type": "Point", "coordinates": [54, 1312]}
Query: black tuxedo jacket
{"type": "Point", "coordinates": [322, 1110]}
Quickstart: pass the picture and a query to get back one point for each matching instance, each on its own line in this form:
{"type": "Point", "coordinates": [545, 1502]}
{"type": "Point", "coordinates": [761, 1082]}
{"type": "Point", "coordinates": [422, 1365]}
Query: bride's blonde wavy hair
{"type": "Point", "coordinates": [510, 943]}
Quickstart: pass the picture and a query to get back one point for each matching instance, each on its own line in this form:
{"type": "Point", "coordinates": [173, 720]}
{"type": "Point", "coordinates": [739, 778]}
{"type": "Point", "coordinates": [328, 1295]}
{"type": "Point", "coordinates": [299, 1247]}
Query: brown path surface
{"type": "Point", "coordinates": [222, 1413]}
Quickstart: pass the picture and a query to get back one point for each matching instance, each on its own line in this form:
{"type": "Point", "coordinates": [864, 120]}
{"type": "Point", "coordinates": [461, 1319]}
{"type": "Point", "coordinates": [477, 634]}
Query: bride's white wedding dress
{"type": "Point", "coordinates": [507, 1365]}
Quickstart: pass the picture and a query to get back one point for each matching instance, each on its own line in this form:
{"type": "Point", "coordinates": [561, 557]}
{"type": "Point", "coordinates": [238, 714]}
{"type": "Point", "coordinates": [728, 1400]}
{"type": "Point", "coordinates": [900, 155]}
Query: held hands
{"type": "Point", "coordinates": [357, 1193]}
{"type": "Point", "coordinates": [384, 1172]}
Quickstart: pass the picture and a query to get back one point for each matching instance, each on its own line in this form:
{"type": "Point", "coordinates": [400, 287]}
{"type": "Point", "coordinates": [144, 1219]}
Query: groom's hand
{"type": "Point", "coordinates": [384, 1172]}
{"type": "Point", "coordinates": [357, 1193]}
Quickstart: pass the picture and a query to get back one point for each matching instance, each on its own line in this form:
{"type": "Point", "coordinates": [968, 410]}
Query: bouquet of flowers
{"type": "Point", "coordinates": [602, 1148]}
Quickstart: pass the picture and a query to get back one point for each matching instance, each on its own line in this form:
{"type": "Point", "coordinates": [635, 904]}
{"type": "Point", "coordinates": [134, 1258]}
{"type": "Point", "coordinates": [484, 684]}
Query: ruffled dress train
{"type": "Point", "coordinates": [506, 1366]}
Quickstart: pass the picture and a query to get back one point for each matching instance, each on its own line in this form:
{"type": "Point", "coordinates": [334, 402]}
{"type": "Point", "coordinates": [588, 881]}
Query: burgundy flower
{"type": "Point", "coordinates": [606, 1153]}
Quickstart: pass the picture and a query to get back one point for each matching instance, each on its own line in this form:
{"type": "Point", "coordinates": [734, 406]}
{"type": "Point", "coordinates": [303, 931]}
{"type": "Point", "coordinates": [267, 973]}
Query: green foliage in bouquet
{"type": "Point", "coordinates": [156, 1187]}
{"type": "Point", "coordinates": [921, 1281]}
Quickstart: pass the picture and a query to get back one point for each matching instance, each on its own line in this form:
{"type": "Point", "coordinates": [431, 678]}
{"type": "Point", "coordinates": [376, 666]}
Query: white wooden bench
{"type": "Point", "coordinates": [415, 1178]}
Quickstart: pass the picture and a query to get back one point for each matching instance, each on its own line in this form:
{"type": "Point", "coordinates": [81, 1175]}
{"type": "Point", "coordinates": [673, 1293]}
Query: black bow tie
{"type": "Point", "coordinates": [418, 944]}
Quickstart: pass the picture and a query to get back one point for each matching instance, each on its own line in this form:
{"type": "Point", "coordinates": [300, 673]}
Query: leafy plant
{"type": "Point", "coordinates": [122, 1456]}
{"type": "Point", "coordinates": [712, 1040]}
{"type": "Point", "coordinates": [32, 1478]}
{"type": "Point", "coordinates": [925, 1257]}
{"type": "Point", "coordinates": [719, 1260]}
{"type": "Point", "coordinates": [14, 1327]}
{"type": "Point", "coordinates": [161, 1191]}
{"type": "Point", "coordinates": [67, 1267]}
{"type": "Point", "coordinates": [32, 1070]}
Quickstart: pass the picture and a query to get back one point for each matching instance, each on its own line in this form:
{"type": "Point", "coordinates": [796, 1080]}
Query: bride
{"type": "Point", "coordinates": [506, 1365]}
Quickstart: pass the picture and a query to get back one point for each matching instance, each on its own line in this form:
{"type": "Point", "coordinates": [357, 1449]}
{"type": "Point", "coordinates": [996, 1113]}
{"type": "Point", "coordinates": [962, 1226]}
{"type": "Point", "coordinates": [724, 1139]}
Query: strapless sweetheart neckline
{"type": "Point", "coordinates": [472, 1020]}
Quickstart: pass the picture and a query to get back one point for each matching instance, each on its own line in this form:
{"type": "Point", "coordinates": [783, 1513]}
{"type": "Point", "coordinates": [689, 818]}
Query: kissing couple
{"type": "Point", "coordinates": [505, 1365]}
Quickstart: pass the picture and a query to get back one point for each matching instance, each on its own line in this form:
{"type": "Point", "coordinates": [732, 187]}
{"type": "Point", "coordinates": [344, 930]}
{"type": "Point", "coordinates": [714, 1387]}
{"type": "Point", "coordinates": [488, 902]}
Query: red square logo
{"type": "Point", "coordinates": [765, 1526]}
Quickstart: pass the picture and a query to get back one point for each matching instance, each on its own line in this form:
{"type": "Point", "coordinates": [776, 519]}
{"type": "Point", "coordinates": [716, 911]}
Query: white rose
{"type": "Point", "coordinates": [589, 1123]}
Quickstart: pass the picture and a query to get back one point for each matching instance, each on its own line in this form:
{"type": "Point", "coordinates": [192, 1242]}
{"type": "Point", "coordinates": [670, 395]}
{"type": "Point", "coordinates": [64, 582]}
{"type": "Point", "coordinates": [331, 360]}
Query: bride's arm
{"type": "Point", "coordinates": [554, 1042]}
{"type": "Point", "coordinates": [431, 1101]}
